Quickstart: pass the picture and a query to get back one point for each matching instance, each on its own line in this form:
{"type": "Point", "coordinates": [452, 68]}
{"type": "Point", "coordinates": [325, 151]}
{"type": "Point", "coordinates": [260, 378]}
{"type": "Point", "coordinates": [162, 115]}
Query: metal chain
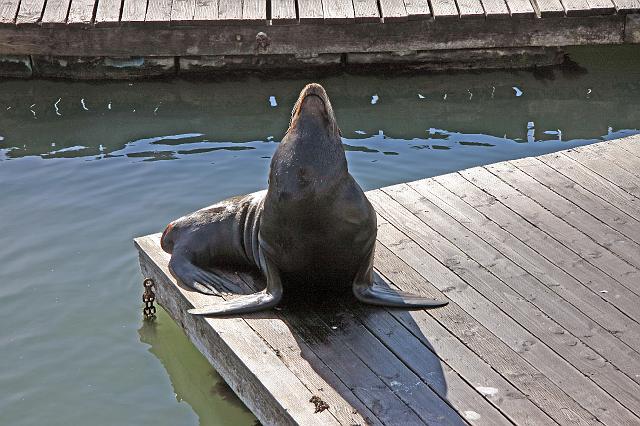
{"type": "Point", "coordinates": [148, 297]}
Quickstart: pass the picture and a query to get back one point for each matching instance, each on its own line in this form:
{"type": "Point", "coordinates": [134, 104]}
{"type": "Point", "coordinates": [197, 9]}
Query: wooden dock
{"type": "Point", "coordinates": [207, 35]}
{"type": "Point", "coordinates": [540, 260]}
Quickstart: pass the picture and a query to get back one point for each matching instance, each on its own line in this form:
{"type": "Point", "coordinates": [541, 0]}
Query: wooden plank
{"type": "Point", "coordinates": [392, 371]}
{"type": "Point", "coordinates": [8, 11]}
{"type": "Point", "coordinates": [127, 40]}
{"type": "Point", "coordinates": [243, 359]}
{"type": "Point", "coordinates": [560, 207]}
{"type": "Point", "coordinates": [254, 10]}
{"type": "Point", "coordinates": [355, 373]}
{"type": "Point", "coordinates": [366, 11]}
{"type": "Point", "coordinates": [159, 11]}
{"type": "Point", "coordinates": [393, 10]}
{"type": "Point", "coordinates": [521, 8]}
{"type": "Point", "coordinates": [55, 12]}
{"type": "Point", "coordinates": [283, 11]}
{"type": "Point", "coordinates": [548, 8]}
{"type": "Point", "coordinates": [593, 346]}
{"type": "Point", "coordinates": [338, 11]}
{"type": "Point", "coordinates": [602, 7]}
{"type": "Point", "coordinates": [470, 8]}
{"type": "Point", "coordinates": [573, 240]}
{"type": "Point", "coordinates": [416, 9]}
{"type": "Point", "coordinates": [81, 12]}
{"type": "Point", "coordinates": [564, 284]}
{"type": "Point", "coordinates": [478, 338]}
{"type": "Point", "coordinates": [607, 170]}
{"type": "Point", "coordinates": [594, 183]}
{"type": "Point", "coordinates": [529, 324]}
{"type": "Point", "coordinates": [182, 11]}
{"type": "Point", "coordinates": [108, 12]}
{"type": "Point", "coordinates": [205, 11]}
{"type": "Point", "coordinates": [577, 8]}
{"type": "Point", "coordinates": [580, 196]}
{"type": "Point", "coordinates": [310, 10]}
{"type": "Point", "coordinates": [418, 354]}
{"type": "Point", "coordinates": [630, 144]}
{"type": "Point", "coordinates": [495, 8]}
{"type": "Point", "coordinates": [443, 9]}
{"type": "Point", "coordinates": [285, 334]}
{"type": "Point", "coordinates": [627, 6]}
{"type": "Point", "coordinates": [30, 12]}
{"type": "Point", "coordinates": [230, 10]}
{"type": "Point", "coordinates": [619, 156]}
{"type": "Point", "coordinates": [133, 11]}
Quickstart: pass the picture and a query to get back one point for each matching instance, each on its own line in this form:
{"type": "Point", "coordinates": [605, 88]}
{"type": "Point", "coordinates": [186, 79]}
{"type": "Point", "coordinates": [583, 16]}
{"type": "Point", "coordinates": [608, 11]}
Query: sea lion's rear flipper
{"type": "Point", "coordinates": [370, 288]}
{"type": "Point", "coordinates": [265, 299]}
{"type": "Point", "coordinates": [197, 278]}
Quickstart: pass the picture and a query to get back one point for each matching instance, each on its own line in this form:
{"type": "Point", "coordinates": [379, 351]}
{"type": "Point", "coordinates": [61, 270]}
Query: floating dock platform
{"type": "Point", "coordinates": [540, 261]}
{"type": "Point", "coordinates": [134, 38]}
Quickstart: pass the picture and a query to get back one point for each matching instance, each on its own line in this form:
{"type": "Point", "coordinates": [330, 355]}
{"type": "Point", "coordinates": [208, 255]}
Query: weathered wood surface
{"type": "Point", "coordinates": [147, 29]}
{"type": "Point", "coordinates": [540, 262]}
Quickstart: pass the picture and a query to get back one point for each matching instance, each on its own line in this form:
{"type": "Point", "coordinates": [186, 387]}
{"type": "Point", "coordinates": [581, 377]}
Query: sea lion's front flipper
{"type": "Point", "coordinates": [195, 277]}
{"type": "Point", "coordinates": [367, 290]}
{"type": "Point", "coordinates": [265, 299]}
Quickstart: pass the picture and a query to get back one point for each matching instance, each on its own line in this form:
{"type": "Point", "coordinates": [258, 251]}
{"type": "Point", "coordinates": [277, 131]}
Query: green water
{"type": "Point", "coordinates": [84, 167]}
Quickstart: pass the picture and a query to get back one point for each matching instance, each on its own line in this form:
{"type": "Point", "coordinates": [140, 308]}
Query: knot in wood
{"type": "Point", "coordinates": [262, 40]}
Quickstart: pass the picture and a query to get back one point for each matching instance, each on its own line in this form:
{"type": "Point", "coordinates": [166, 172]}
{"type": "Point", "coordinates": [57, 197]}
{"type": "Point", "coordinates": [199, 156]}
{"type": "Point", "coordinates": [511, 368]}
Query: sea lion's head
{"type": "Point", "coordinates": [313, 112]}
{"type": "Point", "coordinates": [311, 159]}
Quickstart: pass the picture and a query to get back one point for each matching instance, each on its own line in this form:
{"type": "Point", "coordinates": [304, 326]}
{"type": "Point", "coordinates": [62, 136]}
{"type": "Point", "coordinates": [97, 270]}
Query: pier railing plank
{"type": "Point", "coordinates": [542, 326]}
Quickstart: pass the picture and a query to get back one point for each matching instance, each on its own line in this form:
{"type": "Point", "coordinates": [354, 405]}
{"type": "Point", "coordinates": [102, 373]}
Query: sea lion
{"type": "Point", "coordinates": [312, 228]}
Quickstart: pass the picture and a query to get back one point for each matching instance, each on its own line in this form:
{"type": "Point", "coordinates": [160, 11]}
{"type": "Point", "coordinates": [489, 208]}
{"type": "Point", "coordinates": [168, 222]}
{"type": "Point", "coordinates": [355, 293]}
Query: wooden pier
{"type": "Point", "coordinates": [171, 36]}
{"type": "Point", "coordinates": [540, 260]}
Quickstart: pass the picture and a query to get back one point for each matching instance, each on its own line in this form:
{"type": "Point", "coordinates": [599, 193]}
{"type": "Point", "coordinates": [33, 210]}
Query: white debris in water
{"type": "Point", "coordinates": [421, 96]}
{"type": "Point", "coordinates": [531, 132]}
{"type": "Point", "coordinates": [588, 92]}
{"type": "Point", "coordinates": [53, 144]}
{"type": "Point", "coordinates": [272, 101]}
{"type": "Point", "coordinates": [444, 98]}
{"type": "Point", "coordinates": [470, 94]}
{"type": "Point", "coordinates": [56, 106]}
{"type": "Point", "coordinates": [333, 327]}
{"type": "Point", "coordinates": [471, 415]}
{"type": "Point", "coordinates": [101, 148]}
{"type": "Point", "coordinates": [109, 105]}
{"type": "Point", "coordinates": [487, 390]}
{"type": "Point", "coordinates": [155, 111]}
{"type": "Point", "coordinates": [32, 111]}
{"type": "Point", "coordinates": [84, 106]}
{"type": "Point", "coordinates": [374, 99]}
{"type": "Point", "coordinates": [360, 132]}
{"type": "Point", "coordinates": [493, 91]}
{"type": "Point", "coordinates": [8, 108]}
{"type": "Point", "coordinates": [270, 138]}
{"type": "Point", "coordinates": [518, 91]}
{"type": "Point", "coordinates": [604, 291]}
{"type": "Point", "coordinates": [69, 149]}
{"type": "Point", "coordinates": [1, 138]}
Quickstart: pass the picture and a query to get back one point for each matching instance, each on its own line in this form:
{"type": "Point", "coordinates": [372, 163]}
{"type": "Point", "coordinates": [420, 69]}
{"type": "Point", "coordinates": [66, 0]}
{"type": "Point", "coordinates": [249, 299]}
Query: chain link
{"type": "Point", "coordinates": [148, 297]}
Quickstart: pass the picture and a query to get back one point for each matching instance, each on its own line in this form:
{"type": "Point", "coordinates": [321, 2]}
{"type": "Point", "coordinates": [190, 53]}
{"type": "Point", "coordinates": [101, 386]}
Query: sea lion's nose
{"type": "Point", "coordinates": [312, 104]}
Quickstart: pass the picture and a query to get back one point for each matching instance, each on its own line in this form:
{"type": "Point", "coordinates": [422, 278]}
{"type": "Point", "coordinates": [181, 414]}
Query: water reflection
{"type": "Point", "coordinates": [193, 379]}
{"type": "Point", "coordinates": [98, 120]}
